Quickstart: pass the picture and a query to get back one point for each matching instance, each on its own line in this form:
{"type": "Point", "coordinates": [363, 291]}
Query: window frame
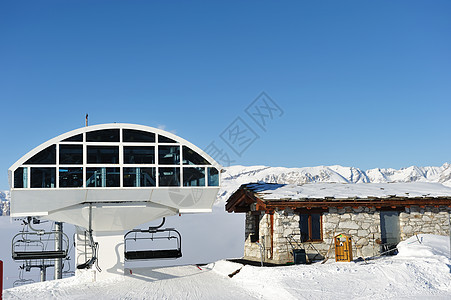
{"type": "Point", "coordinates": [309, 223]}
{"type": "Point", "coordinates": [88, 158]}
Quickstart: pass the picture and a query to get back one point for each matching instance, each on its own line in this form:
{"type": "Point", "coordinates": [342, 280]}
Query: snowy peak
{"type": "Point", "coordinates": [235, 176]}
{"type": "Point", "coordinates": [411, 174]}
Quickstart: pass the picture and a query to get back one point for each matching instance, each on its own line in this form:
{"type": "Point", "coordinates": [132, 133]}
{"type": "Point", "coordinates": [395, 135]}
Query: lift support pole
{"type": "Point", "coordinates": [58, 247]}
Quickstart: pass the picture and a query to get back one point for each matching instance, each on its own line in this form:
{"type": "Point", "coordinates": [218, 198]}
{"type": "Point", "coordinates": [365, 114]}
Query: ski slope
{"type": "Point", "coordinates": [420, 271]}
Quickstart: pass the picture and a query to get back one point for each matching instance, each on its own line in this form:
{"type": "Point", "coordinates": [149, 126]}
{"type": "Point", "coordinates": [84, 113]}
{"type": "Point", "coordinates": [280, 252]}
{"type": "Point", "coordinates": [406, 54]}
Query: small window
{"type": "Point", "coordinates": [21, 178]}
{"type": "Point", "coordinates": [193, 176]}
{"type": "Point", "coordinates": [139, 177]}
{"type": "Point", "coordinates": [213, 177]}
{"type": "Point", "coordinates": [70, 177]}
{"type": "Point", "coordinates": [139, 155]}
{"type": "Point", "coordinates": [138, 136]}
{"type": "Point", "coordinates": [165, 139]}
{"type": "Point", "coordinates": [71, 154]}
{"type": "Point", "coordinates": [75, 138]}
{"type": "Point", "coordinates": [169, 176]}
{"type": "Point", "coordinates": [102, 177]}
{"type": "Point", "coordinates": [389, 222]}
{"type": "Point", "coordinates": [168, 155]}
{"type": "Point", "coordinates": [43, 177]}
{"type": "Point", "coordinates": [103, 155]}
{"type": "Point", "coordinates": [193, 158]}
{"type": "Point", "coordinates": [310, 226]}
{"type": "Point", "coordinates": [45, 157]}
{"type": "Point", "coordinates": [255, 231]}
{"type": "Point", "coordinates": [106, 135]}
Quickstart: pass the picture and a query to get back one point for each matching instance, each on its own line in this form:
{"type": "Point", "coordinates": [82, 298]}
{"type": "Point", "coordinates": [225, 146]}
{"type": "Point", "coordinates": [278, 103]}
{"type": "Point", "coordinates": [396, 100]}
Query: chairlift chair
{"type": "Point", "coordinates": [152, 234]}
{"type": "Point", "coordinates": [33, 245]}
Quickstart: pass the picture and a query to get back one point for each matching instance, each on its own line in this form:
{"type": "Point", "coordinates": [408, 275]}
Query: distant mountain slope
{"type": "Point", "coordinates": [4, 203]}
{"type": "Point", "coordinates": [235, 176]}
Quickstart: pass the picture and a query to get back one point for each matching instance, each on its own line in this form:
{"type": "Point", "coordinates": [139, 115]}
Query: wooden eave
{"type": "Point", "coordinates": [391, 202]}
{"type": "Point", "coordinates": [242, 199]}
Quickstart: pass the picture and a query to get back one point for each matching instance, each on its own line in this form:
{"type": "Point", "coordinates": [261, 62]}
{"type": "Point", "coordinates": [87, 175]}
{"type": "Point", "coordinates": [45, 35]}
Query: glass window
{"type": "Point", "coordinates": [310, 226]}
{"type": "Point", "coordinates": [71, 177]}
{"type": "Point", "coordinates": [255, 231]}
{"type": "Point", "coordinates": [316, 226]}
{"type": "Point", "coordinates": [139, 177]}
{"type": "Point", "coordinates": [168, 155]}
{"type": "Point", "coordinates": [106, 135]}
{"type": "Point", "coordinates": [71, 154]}
{"type": "Point", "coordinates": [390, 228]}
{"type": "Point", "coordinates": [43, 177]}
{"type": "Point", "coordinates": [169, 176]}
{"type": "Point", "coordinates": [103, 155]}
{"type": "Point", "coordinates": [165, 139]}
{"type": "Point", "coordinates": [21, 178]}
{"type": "Point", "coordinates": [131, 135]}
{"type": "Point", "coordinates": [102, 177]}
{"type": "Point", "coordinates": [213, 177]}
{"type": "Point", "coordinates": [193, 158]}
{"type": "Point", "coordinates": [75, 138]}
{"type": "Point", "coordinates": [193, 176]}
{"type": "Point", "coordinates": [139, 155]}
{"type": "Point", "coordinates": [45, 157]}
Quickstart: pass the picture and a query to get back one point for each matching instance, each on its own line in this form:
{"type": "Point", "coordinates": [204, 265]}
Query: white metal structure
{"type": "Point", "coordinates": [131, 173]}
{"type": "Point", "coordinates": [110, 178]}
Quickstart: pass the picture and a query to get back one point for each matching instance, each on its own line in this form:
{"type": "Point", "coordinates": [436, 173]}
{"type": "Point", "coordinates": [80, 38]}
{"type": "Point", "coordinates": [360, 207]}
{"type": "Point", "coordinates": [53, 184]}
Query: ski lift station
{"type": "Point", "coordinates": [109, 179]}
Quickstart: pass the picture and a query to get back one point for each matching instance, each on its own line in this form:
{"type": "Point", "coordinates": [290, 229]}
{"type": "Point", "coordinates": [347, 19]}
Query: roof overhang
{"type": "Point", "coordinates": [243, 200]}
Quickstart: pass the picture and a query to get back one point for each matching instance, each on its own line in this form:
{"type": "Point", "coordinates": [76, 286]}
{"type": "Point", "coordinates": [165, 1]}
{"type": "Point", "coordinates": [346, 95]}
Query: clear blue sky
{"type": "Point", "coordinates": [361, 83]}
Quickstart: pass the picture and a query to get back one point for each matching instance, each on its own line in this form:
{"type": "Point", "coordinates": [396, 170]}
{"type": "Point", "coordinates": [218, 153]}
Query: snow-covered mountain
{"type": "Point", "coordinates": [235, 176]}
{"type": "Point", "coordinates": [4, 203]}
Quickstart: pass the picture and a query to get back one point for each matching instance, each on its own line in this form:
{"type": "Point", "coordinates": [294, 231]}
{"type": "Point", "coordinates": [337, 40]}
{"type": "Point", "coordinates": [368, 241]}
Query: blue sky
{"type": "Point", "coordinates": [360, 83]}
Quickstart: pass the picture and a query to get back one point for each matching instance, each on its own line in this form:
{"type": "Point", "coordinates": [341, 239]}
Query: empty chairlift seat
{"type": "Point", "coordinates": [38, 245]}
{"type": "Point", "coordinates": [143, 244]}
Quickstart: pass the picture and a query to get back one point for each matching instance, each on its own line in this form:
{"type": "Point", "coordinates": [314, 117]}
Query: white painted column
{"type": "Point", "coordinates": [110, 254]}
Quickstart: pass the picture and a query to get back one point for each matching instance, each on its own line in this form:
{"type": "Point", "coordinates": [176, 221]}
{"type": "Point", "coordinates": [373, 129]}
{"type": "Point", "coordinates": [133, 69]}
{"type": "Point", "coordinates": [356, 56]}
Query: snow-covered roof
{"type": "Point", "coordinates": [291, 192]}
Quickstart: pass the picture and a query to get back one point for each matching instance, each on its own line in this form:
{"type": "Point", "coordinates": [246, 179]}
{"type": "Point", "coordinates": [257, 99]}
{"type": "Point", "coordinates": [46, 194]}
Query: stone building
{"type": "Point", "coordinates": [280, 218]}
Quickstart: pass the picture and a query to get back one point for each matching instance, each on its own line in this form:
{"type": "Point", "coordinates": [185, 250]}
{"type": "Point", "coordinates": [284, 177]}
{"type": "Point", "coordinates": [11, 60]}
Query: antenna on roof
{"type": "Point", "coordinates": [86, 119]}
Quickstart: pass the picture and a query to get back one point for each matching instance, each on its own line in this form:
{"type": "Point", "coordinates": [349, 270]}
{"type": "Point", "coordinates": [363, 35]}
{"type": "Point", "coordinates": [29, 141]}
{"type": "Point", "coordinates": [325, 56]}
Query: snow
{"type": "Point", "coordinates": [425, 245]}
{"type": "Point", "coordinates": [235, 176]}
{"type": "Point", "coordinates": [350, 190]}
{"type": "Point", "coordinates": [413, 273]}
{"type": "Point", "coordinates": [418, 271]}
{"type": "Point", "coordinates": [4, 203]}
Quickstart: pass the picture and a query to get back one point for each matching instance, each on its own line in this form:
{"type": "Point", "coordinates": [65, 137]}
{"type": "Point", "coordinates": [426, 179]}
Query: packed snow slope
{"type": "Point", "coordinates": [235, 176]}
{"type": "Point", "coordinates": [421, 270]}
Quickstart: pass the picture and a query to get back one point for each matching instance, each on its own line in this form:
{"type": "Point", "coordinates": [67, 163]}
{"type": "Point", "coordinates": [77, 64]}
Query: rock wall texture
{"type": "Point", "coordinates": [362, 223]}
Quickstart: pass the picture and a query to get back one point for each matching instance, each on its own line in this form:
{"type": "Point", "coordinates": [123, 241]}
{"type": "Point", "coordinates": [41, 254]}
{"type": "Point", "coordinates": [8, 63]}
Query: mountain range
{"type": "Point", "coordinates": [234, 176]}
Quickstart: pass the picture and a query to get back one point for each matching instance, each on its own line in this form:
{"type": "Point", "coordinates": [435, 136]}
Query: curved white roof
{"type": "Point", "coordinates": [69, 134]}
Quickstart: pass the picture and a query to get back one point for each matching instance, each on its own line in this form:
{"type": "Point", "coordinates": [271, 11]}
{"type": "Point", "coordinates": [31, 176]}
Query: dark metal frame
{"type": "Point", "coordinates": [154, 233]}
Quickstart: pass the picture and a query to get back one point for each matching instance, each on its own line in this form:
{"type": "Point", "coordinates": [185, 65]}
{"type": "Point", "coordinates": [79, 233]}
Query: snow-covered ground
{"type": "Point", "coordinates": [421, 270]}
{"type": "Point", "coordinates": [417, 271]}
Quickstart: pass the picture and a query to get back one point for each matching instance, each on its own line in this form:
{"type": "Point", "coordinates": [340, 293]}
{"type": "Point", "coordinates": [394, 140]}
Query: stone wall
{"type": "Point", "coordinates": [428, 220]}
{"type": "Point", "coordinates": [253, 251]}
{"type": "Point", "coordinates": [362, 223]}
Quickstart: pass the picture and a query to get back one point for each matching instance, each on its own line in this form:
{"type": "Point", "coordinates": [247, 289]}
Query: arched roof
{"type": "Point", "coordinates": [82, 130]}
